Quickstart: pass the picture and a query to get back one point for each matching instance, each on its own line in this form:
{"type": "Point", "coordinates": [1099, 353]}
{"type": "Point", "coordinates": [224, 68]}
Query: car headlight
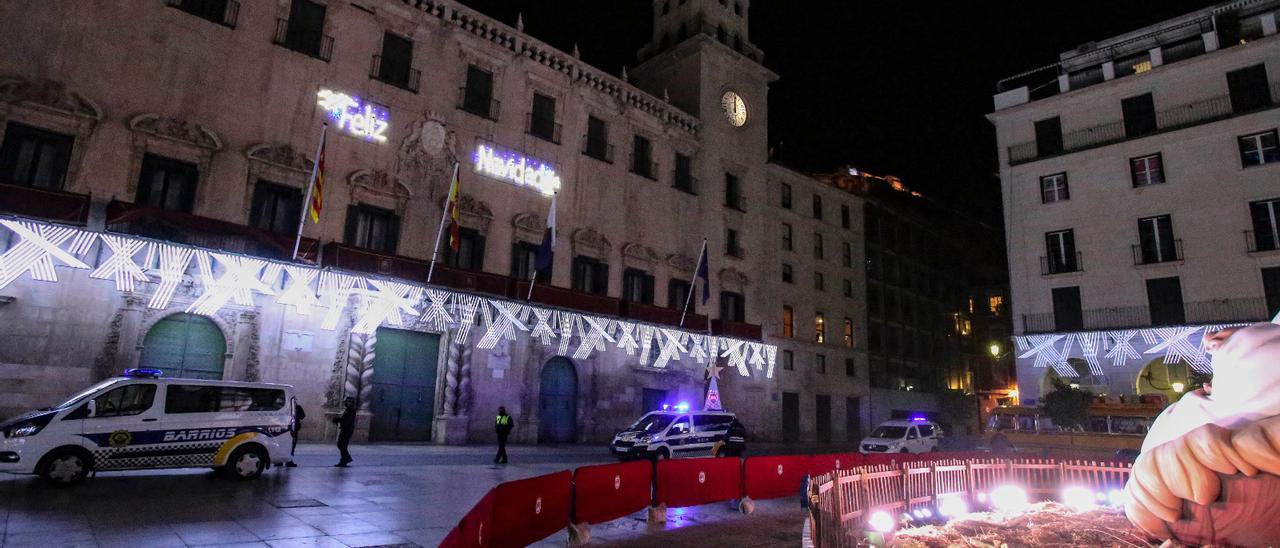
{"type": "Point", "coordinates": [23, 430]}
{"type": "Point", "coordinates": [654, 438]}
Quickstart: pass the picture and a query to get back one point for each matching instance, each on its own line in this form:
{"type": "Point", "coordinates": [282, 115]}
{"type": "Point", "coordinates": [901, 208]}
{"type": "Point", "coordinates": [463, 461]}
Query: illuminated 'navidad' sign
{"type": "Point", "coordinates": [365, 120]}
{"type": "Point", "coordinates": [516, 169]}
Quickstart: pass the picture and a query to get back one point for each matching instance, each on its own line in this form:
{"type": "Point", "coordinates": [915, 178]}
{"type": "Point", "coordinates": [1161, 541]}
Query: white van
{"type": "Point", "coordinates": [677, 432]}
{"type": "Point", "coordinates": [903, 436]}
{"type": "Point", "coordinates": [142, 421]}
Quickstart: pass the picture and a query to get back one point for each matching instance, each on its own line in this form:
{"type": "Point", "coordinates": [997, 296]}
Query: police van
{"type": "Point", "coordinates": [676, 432]}
{"type": "Point", "coordinates": [143, 421]}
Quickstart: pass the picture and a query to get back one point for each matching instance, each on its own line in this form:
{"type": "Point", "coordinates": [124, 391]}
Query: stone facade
{"type": "Point", "coordinates": [229, 98]}
{"type": "Point", "coordinates": [1203, 186]}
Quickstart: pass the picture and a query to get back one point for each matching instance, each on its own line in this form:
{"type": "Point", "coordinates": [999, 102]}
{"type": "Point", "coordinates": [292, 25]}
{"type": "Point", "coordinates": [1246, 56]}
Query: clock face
{"type": "Point", "coordinates": [735, 109]}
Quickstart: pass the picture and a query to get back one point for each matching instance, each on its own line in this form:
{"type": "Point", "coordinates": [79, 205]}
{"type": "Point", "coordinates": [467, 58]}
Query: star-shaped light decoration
{"type": "Point", "coordinates": [713, 370]}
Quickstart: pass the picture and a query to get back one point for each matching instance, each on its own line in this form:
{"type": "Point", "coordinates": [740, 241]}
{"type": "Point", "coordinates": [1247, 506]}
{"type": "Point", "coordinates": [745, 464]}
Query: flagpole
{"type": "Point", "coordinates": [443, 215]}
{"type": "Point", "coordinates": [311, 185]}
{"type": "Point", "coordinates": [693, 283]}
{"type": "Point", "coordinates": [551, 226]}
{"type": "Point", "coordinates": [532, 280]}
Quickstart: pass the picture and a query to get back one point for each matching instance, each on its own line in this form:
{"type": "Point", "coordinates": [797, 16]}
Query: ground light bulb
{"type": "Point", "coordinates": [881, 521]}
{"type": "Point", "coordinates": [1009, 498]}
{"type": "Point", "coordinates": [982, 497]}
{"type": "Point", "coordinates": [1078, 498]}
{"type": "Point", "coordinates": [927, 512]}
{"type": "Point", "coordinates": [952, 507]}
{"type": "Point", "coordinates": [1116, 497]}
{"type": "Point", "coordinates": [1179, 387]}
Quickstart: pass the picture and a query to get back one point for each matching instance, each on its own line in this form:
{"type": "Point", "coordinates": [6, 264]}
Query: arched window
{"type": "Point", "coordinates": [666, 8]}
{"type": "Point", "coordinates": [185, 345]}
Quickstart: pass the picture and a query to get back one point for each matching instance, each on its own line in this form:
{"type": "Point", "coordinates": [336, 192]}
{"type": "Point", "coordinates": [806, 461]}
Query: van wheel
{"type": "Point", "coordinates": [905, 450]}
{"type": "Point", "coordinates": [246, 462]}
{"type": "Point", "coordinates": [66, 466]}
{"type": "Point", "coordinates": [662, 454]}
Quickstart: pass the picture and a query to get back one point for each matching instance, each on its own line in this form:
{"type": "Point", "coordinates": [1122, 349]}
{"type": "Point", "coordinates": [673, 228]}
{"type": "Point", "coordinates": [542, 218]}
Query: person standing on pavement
{"type": "Point", "coordinates": [503, 428]}
{"type": "Point", "coordinates": [298, 415]}
{"type": "Point", "coordinates": [346, 427]}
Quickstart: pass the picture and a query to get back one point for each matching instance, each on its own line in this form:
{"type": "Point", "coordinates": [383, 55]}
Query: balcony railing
{"type": "Point", "coordinates": [43, 203]}
{"type": "Point", "coordinates": [1055, 265]}
{"type": "Point", "coordinates": [1178, 117]}
{"type": "Point", "coordinates": [185, 228]}
{"type": "Point", "coordinates": [1261, 242]}
{"type": "Point", "coordinates": [405, 78]}
{"type": "Point", "coordinates": [543, 128]}
{"type": "Point", "coordinates": [599, 150]}
{"type": "Point", "coordinates": [1129, 317]}
{"type": "Point", "coordinates": [734, 329]}
{"type": "Point", "coordinates": [684, 182]}
{"type": "Point", "coordinates": [484, 106]}
{"type": "Point", "coordinates": [222, 12]}
{"type": "Point", "coordinates": [315, 44]}
{"type": "Point", "coordinates": [1144, 255]}
{"type": "Point", "coordinates": [646, 169]}
{"type": "Point", "coordinates": [353, 258]}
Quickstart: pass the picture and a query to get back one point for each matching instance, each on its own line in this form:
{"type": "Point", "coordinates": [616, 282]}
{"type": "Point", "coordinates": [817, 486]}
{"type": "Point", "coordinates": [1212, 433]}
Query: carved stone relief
{"type": "Point", "coordinates": [731, 278]}
{"type": "Point", "coordinates": [639, 256]}
{"type": "Point", "coordinates": [681, 262]}
{"type": "Point", "coordinates": [424, 162]}
{"type": "Point", "coordinates": [529, 227]}
{"type": "Point", "coordinates": [376, 187]}
{"type": "Point", "coordinates": [590, 243]}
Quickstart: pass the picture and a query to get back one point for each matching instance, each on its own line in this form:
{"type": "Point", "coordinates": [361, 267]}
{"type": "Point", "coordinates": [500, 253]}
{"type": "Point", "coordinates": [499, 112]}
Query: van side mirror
{"type": "Point", "coordinates": [92, 408]}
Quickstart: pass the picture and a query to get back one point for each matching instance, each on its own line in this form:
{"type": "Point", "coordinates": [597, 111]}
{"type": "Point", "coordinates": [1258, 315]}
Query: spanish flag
{"type": "Point", "coordinates": [455, 191]}
{"type": "Point", "coordinates": [317, 192]}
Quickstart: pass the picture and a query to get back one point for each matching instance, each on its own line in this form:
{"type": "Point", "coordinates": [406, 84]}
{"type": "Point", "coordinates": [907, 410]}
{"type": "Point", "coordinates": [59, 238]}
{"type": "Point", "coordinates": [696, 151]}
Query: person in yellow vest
{"type": "Point", "coordinates": [503, 427]}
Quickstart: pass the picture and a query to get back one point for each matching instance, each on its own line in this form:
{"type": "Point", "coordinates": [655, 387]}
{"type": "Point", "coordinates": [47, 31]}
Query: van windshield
{"type": "Point", "coordinates": [889, 432]}
{"type": "Point", "coordinates": [84, 394]}
{"type": "Point", "coordinates": [653, 423]}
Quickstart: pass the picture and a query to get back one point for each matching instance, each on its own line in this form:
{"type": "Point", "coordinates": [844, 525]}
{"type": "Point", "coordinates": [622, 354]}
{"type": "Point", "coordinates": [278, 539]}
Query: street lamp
{"type": "Point", "coordinates": [994, 349]}
{"type": "Point", "coordinates": [1178, 387]}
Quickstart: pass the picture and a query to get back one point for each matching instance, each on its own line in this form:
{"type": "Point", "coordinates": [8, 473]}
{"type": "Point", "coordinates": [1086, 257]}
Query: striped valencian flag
{"type": "Point", "coordinates": [317, 193]}
{"type": "Point", "coordinates": [455, 192]}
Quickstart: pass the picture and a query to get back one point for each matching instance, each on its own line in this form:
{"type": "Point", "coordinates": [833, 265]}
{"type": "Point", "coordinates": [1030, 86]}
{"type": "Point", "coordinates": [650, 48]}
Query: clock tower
{"type": "Point", "coordinates": [700, 57]}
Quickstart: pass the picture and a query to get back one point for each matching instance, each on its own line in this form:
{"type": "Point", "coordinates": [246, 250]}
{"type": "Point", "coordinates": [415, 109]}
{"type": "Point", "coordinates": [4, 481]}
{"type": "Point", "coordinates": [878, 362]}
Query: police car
{"type": "Point", "coordinates": [143, 421]}
{"type": "Point", "coordinates": [677, 432]}
{"type": "Point", "coordinates": [917, 435]}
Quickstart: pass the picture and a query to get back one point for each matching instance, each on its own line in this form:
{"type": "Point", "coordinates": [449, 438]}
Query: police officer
{"type": "Point", "coordinates": [346, 426]}
{"type": "Point", "coordinates": [503, 428]}
{"type": "Point", "coordinates": [298, 415]}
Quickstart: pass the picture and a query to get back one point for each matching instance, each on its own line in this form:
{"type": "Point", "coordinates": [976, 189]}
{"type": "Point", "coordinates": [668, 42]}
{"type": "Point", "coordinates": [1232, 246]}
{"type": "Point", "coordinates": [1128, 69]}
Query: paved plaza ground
{"type": "Point", "coordinates": [392, 495]}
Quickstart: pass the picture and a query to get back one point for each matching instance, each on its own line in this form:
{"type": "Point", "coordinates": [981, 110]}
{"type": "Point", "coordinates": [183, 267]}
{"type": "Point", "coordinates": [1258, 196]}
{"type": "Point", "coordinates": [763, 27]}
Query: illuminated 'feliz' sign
{"type": "Point", "coordinates": [364, 120]}
{"type": "Point", "coordinates": [516, 169]}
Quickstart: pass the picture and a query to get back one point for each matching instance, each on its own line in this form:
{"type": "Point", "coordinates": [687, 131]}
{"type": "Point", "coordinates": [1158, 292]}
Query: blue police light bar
{"type": "Point", "coordinates": [919, 418]}
{"type": "Point", "coordinates": [143, 372]}
{"type": "Point", "coordinates": [682, 406]}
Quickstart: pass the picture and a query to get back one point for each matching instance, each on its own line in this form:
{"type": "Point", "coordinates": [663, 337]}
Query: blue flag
{"type": "Point", "coordinates": [703, 273]}
{"type": "Point", "coordinates": [542, 258]}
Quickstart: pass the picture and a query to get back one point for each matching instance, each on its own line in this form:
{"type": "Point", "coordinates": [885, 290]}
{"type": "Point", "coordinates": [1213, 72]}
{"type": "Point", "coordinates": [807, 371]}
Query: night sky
{"type": "Point", "coordinates": [894, 88]}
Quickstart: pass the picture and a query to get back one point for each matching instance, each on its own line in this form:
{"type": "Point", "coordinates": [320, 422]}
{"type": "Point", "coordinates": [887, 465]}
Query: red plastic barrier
{"type": "Point", "coordinates": [690, 482]}
{"type": "Point", "coordinates": [476, 527]}
{"type": "Point", "coordinates": [611, 491]}
{"type": "Point", "coordinates": [821, 464]}
{"type": "Point", "coordinates": [774, 477]}
{"type": "Point", "coordinates": [528, 510]}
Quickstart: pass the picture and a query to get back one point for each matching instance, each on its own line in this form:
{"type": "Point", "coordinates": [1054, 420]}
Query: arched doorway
{"type": "Point", "coordinates": [186, 346]}
{"type": "Point", "coordinates": [558, 407]}
{"type": "Point", "coordinates": [1170, 379]}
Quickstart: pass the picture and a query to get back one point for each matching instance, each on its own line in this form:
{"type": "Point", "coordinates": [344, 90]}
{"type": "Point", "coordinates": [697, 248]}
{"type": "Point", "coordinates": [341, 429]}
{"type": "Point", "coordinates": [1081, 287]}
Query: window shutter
{"type": "Point", "coordinates": [477, 253]}
{"type": "Point", "coordinates": [353, 218]}
{"type": "Point", "coordinates": [393, 234]}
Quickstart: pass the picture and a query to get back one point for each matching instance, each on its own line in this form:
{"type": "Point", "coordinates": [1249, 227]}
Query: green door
{"type": "Point", "coordinates": [404, 385]}
{"type": "Point", "coordinates": [185, 346]}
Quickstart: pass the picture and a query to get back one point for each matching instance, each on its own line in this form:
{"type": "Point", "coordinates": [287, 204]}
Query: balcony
{"type": "Point", "coordinates": [185, 228]}
{"type": "Point", "coordinates": [660, 315]}
{"type": "Point", "coordinates": [684, 182]}
{"type": "Point", "coordinates": [1171, 119]}
{"type": "Point", "coordinates": [543, 128]}
{"type": "Point", "coordinates": [303, 40]}
{"type": "Point", "coordinates": [1144, 255]}
{"type": "Point", "coordinates": [1050, 266]}
{"type": "Point", "coordinates": [735, 329]}
{"type": "Point", "coordinates": [43, 203]}
{"type": "Point", "coordinates": [645, 168]}
{"type": "Point", "coordinates": [347, 257]}
{"type": "Point", "coordinates": [598, 149]}
{"type": "Point", "coordinates": [482, 105]}
{"type": "Point", "coordinates": [401, 76]}
{"type": "Point", "coordinates": [1129, 317]}
{"type": "Point", "coordinates": [222, 12]}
